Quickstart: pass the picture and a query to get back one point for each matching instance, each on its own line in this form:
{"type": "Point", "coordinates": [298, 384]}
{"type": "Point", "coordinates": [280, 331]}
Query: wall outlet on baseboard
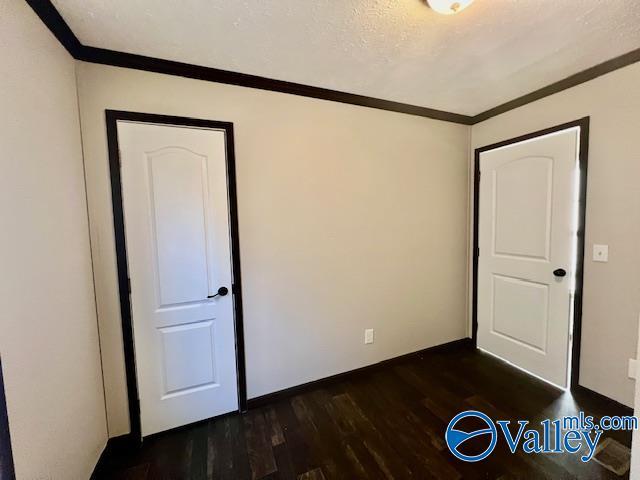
{"type": "Point", "coordinates": [368, 336]}
{"type": "Point", "coordinates": [632, 368]}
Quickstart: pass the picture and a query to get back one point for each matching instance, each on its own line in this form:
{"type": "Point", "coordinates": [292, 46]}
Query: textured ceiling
{"type": "Point", "coordinates": [492, 52]}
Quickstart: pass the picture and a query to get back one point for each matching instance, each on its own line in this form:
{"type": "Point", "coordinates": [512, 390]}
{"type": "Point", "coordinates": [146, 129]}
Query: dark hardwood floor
{"type": "Point", "coordinates": [386, 423]}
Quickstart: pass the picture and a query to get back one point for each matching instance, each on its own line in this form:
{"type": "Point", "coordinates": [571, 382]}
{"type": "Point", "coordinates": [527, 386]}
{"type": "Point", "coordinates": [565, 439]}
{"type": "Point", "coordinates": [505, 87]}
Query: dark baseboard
{"type": "Point", "coordinates": [612, 406]}
{"type": "Point", "coordinates": [263, 400]}
{"type": "Point", "coordinates": [125, 443]}
{"type": "Point", "coordinates": [114, 449]}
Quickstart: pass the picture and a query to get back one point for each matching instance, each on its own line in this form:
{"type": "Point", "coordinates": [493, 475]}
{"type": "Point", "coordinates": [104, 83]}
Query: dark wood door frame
{"type": "Point", "coordinates": [583, 123]}
{"type": "Point", "coordinates": [112, 118]}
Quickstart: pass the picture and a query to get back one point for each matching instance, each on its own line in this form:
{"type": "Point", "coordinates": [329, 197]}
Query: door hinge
{"type": "Point", "coordinates": [129, 284]}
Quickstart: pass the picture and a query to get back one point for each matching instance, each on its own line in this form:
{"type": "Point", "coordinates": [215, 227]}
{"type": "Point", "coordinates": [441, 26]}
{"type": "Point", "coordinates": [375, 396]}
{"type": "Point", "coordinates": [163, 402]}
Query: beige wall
{"type": "Point", "coordinates": [611, 300]}
{"type": "Point", "coordinates": [349, 218]}
{"type": "Point", "coordinates": [48, 330]}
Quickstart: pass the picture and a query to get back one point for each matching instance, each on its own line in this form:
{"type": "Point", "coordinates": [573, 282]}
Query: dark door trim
{"type": "Point", "coordinates": [112, 117]}
{"type": "Point", "coordinates": [583, 123]}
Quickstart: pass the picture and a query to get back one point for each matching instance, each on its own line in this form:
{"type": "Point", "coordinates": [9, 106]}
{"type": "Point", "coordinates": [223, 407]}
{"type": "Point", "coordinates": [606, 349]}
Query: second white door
{"type": "Point", "coordinates": [175, 198]}
{"type": "Point", "coordinates": [527, 238]}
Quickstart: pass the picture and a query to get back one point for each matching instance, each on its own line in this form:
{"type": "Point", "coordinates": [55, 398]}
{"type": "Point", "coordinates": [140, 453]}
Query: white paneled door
{"type": "Point", "coordinates": [527, 237]}
{"type": "Point", "coordinates": [175, 198]}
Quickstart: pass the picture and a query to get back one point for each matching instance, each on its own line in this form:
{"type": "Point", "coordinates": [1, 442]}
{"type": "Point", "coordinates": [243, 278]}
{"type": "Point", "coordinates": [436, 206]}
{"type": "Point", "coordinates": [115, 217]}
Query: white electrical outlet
{"type": "Point", "coordinates": [600, 253]}
{"type": "Point", "coordinates": [368, 336]}
{"type": "Point", "coordinates": [632, 368]}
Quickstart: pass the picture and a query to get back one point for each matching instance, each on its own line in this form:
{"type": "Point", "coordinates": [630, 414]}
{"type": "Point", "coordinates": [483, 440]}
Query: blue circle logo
{"type": "Point", "coordinates": [455, 438]}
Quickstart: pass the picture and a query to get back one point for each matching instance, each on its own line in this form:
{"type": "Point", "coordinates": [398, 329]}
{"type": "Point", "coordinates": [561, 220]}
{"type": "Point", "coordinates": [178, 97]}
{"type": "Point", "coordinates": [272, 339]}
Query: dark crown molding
{"type": "Point", "coordinates": [150, 64]}
{"type": "Point", "coordinates": [56, 24]}
{"type": "Point", "coordinates": [54, 21]}
{"type": "Point", "coordinates": [564, 84]}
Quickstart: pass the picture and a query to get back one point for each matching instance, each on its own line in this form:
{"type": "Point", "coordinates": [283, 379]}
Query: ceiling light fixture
{"type": "Point", "coordinates": [449, 7]}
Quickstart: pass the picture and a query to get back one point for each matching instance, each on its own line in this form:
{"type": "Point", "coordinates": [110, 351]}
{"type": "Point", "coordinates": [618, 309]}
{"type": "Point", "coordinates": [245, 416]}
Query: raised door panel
{"type": "Point", "coordinates": [520, 311]}
{"type": "Point", "coordinates": [177, 179]}
{"type": "Point", "coordinates": [522, 204]}
{"type": "Point", "coordinates": [181, 345]}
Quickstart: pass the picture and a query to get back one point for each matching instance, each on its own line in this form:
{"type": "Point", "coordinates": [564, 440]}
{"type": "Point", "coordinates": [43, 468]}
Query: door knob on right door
{"type": "Point", "coordinates": [222, 291]}
{"type": "Point", "coordinates": [560, 272]}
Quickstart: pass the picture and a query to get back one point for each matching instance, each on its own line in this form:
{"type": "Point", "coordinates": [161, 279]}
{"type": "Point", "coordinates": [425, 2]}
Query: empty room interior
{"type": "Point", "coordinates": [354, 239]}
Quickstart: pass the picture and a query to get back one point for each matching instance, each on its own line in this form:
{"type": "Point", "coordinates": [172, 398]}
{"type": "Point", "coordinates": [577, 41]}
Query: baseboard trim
{"type": "Point", "coordinates": [116, 445]}
{"type": "Point", "coordinates": [613, 406]}
{"type": "Point", "coordinates": [114, 448]}
{"type": "Point", "coordinates": [123, 443]}
{"type": "Point", "coordinates": [268, 398]}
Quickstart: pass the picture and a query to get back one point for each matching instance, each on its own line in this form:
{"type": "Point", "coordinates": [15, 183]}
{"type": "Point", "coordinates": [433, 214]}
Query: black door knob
{"type": "Point", "coordinates": [560, 272]}
{"type": "Point", "coordinates": [222, 291]}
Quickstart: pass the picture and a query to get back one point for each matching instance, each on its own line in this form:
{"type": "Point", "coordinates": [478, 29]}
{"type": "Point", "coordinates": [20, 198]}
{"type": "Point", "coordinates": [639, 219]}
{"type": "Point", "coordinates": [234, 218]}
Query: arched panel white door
{"type": "Point", "coordinates": [526, 232]}
{"type": "Point", "coordinates": [175, 199]}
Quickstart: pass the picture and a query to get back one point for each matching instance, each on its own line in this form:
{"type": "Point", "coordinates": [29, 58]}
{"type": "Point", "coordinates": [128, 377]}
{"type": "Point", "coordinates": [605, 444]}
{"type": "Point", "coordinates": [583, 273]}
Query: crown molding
{"type": "Point", "coordinates": [57, 25]}
{"type": "Point", "coordinates": [54, 21]}
{"type": "Point", "coordinates": [564, 84]}
{"type": "Point", "coordinates": [151, 64]}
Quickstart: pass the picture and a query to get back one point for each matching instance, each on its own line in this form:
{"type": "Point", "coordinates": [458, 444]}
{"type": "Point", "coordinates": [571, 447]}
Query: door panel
{"type": "Point", "coordinates": [180, 345]}
{"type": "Point", "coordinates": [175, 199]}
{"type": "Point", "coordinates": [522, 189]}
{"type": "Point", "coordinates": [526, 230]}
{"type": "Point", "coordinates": [520, 311]}
{"type": "Point", "coordinates": [177, 183]}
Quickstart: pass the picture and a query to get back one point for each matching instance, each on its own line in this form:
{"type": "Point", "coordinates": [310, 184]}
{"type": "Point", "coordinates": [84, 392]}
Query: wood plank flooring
{"type": "Point", "coordinates": [386, 423]}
